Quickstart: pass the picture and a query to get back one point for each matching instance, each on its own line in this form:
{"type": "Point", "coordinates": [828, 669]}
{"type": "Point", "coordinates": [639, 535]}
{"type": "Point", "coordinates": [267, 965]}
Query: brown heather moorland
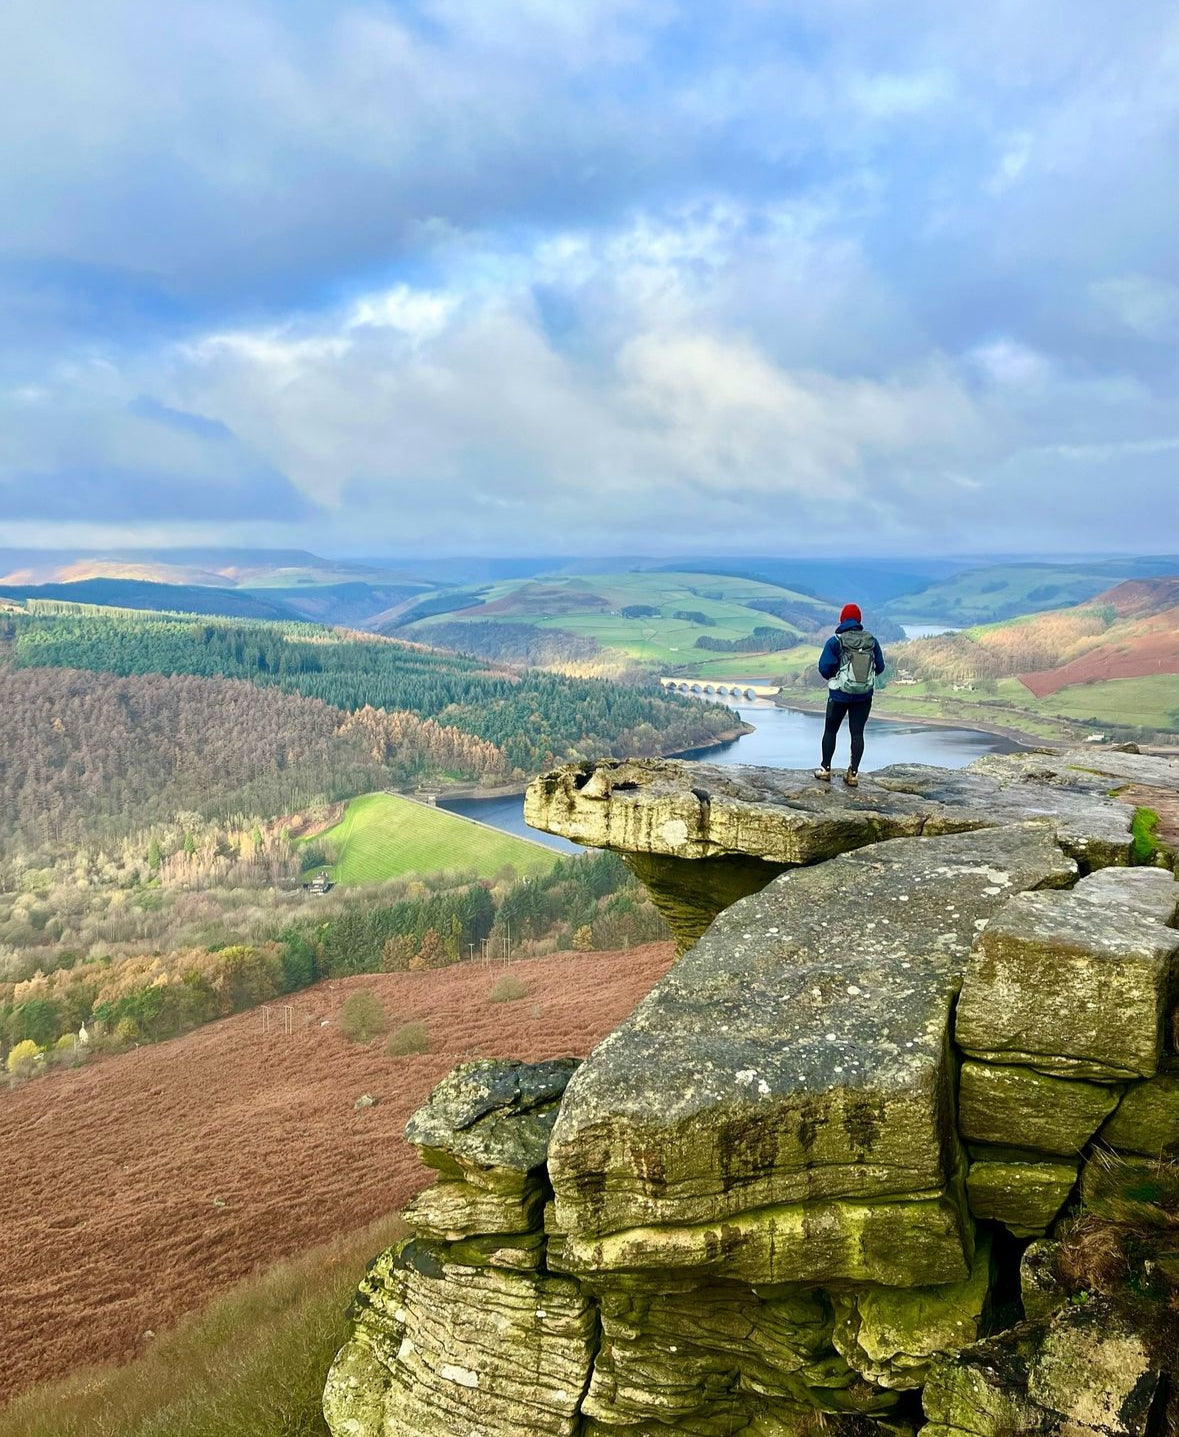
{"type": "Point", "coordinates": [141, 1186]}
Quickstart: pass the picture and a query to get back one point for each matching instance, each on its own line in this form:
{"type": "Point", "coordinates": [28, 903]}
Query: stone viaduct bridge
{"type": "Point", "coordinates": [715, 686]}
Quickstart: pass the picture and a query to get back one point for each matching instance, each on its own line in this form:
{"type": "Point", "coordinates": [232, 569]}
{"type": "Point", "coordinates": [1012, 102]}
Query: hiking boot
{"type": "Point", "coordinates": [851, 778]}
{"type": "Point", "coordinates": [824, 774]}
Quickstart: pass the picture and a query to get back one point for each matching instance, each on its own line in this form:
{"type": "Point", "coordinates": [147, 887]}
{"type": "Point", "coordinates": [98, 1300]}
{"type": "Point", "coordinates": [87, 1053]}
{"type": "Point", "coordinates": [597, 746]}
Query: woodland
{"type": "Point", "coordinates": [157, 770]}
{"type": "Point", "coordinates": [81, 960]}
{"type": "Point", "coordinates": [532, 716]}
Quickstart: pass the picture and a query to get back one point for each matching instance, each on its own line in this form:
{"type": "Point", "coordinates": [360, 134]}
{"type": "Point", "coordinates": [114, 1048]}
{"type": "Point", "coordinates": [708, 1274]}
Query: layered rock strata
{"type": "Point", "coordinates": [798, 1178]}
{"type": "Point", "coordinates": [1065, 998]}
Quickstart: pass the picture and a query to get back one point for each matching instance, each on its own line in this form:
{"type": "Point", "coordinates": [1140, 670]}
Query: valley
{"type": "Point", "coordinates": [230, 811]}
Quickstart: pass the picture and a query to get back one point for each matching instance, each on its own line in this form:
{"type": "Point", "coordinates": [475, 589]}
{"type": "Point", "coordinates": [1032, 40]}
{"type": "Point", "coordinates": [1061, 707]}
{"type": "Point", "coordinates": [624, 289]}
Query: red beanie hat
{"type": "Point", "coordinates": [850, 611]}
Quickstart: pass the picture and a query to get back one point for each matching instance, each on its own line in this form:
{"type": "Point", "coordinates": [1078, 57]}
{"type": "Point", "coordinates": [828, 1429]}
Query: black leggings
{"type": "Point", "coordinates": [857, 717]}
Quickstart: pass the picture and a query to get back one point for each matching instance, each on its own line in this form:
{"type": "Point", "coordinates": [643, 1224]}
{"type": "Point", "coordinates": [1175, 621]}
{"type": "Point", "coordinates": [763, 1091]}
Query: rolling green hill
{"type": "Point", "coordinates": [382, 836]}
{"type": "Point", "coordinates": [603, 623]}
{"type": "Point", "coordinates": [993, 592]}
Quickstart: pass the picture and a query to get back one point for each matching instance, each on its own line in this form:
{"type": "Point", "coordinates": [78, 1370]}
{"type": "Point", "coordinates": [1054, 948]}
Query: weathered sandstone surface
{"type": "Point", "coordinates": [738, 827]}
{"type": "Point", "coordinates": [916, 1025]}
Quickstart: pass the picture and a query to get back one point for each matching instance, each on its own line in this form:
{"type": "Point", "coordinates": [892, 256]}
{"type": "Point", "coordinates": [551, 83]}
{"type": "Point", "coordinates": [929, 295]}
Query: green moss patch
{"type": "Point", "coordinates": [1144, 828]}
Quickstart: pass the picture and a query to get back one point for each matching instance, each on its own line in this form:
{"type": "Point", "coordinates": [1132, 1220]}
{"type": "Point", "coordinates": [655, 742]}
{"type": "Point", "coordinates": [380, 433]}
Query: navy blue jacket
{"type": "Point", "coordinates": [829, 661]}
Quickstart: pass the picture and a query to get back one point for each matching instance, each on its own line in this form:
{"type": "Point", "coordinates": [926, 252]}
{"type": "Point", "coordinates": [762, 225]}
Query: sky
{"type": "Point", "coordinates": [590, 276]}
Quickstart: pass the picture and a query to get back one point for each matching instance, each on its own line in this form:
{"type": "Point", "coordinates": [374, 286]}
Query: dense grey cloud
{"type": "Point", "coordinates": [552, 274]}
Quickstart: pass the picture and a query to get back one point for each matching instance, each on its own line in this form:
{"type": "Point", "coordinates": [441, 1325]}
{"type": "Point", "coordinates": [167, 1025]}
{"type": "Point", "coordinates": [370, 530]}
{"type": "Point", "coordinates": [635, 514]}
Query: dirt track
{"type": "Point", "coordinates": [140, 1186]}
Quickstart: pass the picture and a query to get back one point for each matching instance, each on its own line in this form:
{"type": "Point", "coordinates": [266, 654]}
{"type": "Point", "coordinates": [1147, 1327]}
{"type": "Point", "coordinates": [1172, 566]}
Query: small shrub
{"type": "Point", "coordinates": [23, 1058]}
{"type": "Point", "coordinates": [65, 1050]}
{"type": "Point", "coordinates": [508, 990]}
{"type": "Point", "coordinates": [583, 939]}
{"type": "Point", "coordinates": [409, 1038]}
{"type": "Point", "coordinates": [362, 1017]}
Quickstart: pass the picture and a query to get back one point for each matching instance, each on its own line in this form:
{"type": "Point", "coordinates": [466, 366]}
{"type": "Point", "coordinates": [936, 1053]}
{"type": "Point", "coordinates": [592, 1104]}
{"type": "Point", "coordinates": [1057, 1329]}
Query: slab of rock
{"type": "Point", "coordinates": [488, 1122]}
{"type": "Point", "coordinates": [1003, 1104]}
{"type": "Point", "coordinates": [1147, 1119]}
{"type": "Point", "coordinates": [444, 1350]}
{"type": "Point", "coordinates": [1087, 1371]}
{"type": "Point", "coordinates": [1098, 769]}
{"type": "Point", "coordinates": [891, 1334]}
{"type": "Point", "coordinates": [1041, 1287]}
{"type": "Point", "coordinates": [454, 1209]}
{"type": "Point", "coordinates": [1024, 1196]}
{"type": "Point", "coordinates": [697, 810]}
{"type": "Point", "coordinates": [1075, 984]}
{"type": "Point", "coordinates": [781, 1106]}
{"type": "Point", "coordinates": [701, 836]}
{"type": "Point", "coordinates": [920, 1240]}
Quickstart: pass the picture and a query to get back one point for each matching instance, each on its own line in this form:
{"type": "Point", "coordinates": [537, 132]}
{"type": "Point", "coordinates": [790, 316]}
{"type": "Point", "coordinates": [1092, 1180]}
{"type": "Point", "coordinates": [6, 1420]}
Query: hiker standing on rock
{"type": "Point", "coordinates": [850, 661]}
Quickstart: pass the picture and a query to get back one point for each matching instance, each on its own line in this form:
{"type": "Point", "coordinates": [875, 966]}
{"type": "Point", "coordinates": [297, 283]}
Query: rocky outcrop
{"type": "Point", "coordinates": [929, 1022]}
{"type": "Point", "coordinates": [702, 836]}
{"type": "Point", "coordinates": [461, 1328]}
{"type": "Point", "coordinates": [796, 1066]}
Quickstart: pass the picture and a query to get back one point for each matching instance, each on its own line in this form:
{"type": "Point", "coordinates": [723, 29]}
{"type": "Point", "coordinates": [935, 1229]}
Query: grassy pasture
{"type": "Point", "coordinates": [253, 1361]}
{"type": "Point", "coordinates": [1148, 702]}
{"type": "Point", "coordinates": [382, 836]}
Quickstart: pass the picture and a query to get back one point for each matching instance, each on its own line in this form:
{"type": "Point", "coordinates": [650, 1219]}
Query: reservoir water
{"type": "Point", "coordinates": [927, 631]}
{"type": "Point", "coordinates": [782, 738]}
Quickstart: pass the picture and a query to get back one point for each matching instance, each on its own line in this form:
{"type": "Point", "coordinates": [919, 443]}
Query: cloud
{"type": "Point", "coordinates": [79, 451]}
{"type": "Point", "coordinates": [447, 274]}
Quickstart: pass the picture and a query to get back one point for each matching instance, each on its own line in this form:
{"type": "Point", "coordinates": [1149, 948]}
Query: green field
{"type": "Point", "coordinates": [1148, 702]}
{"type": "Point", "coordinates": [590, 605]}
{"type": "Point", "coordinates": [764, 668]}
{"type": "Point", "coordinates": [382, 836]}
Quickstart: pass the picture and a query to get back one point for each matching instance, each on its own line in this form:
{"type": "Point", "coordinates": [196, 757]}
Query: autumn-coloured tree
{"type": "Point", "coordinates": [397, 953]}
{"type": "Point", "coordinates": [432, 950]}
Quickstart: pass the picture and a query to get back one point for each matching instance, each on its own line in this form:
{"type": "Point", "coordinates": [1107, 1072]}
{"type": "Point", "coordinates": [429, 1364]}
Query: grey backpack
{"type": "Point", "coordinates": [857, 663]}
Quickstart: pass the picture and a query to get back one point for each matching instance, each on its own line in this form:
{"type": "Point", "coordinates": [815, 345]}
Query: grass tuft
{"type": "Point", "coordinates": [409, 1038]}
{"type": "Point", "coordinates": [508, 990]}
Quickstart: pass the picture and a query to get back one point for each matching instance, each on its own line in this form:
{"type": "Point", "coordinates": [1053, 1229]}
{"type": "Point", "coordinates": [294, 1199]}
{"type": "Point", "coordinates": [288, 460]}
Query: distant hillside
{"type": "Point", "coordinates": [159, 598]}
{"type": "Point", "coordinates": [1141, 641]}
{"type": "Point", "coordinates": [532, 718]}
{"type": "Point", "coordinates": [215, 568]}
{"type": "Point", "coordinates": [238, 583]}
{"type": "Point", "coordinates": [608, 623]}
{"type": "Point", "coordinates": [353, 605]}
{"type": "Point", "coordinates": [837, 581]}
{"type": "Point", "coordinates": [1111, 661]}
{"type": "Point", "coordinates": [996, 592]}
